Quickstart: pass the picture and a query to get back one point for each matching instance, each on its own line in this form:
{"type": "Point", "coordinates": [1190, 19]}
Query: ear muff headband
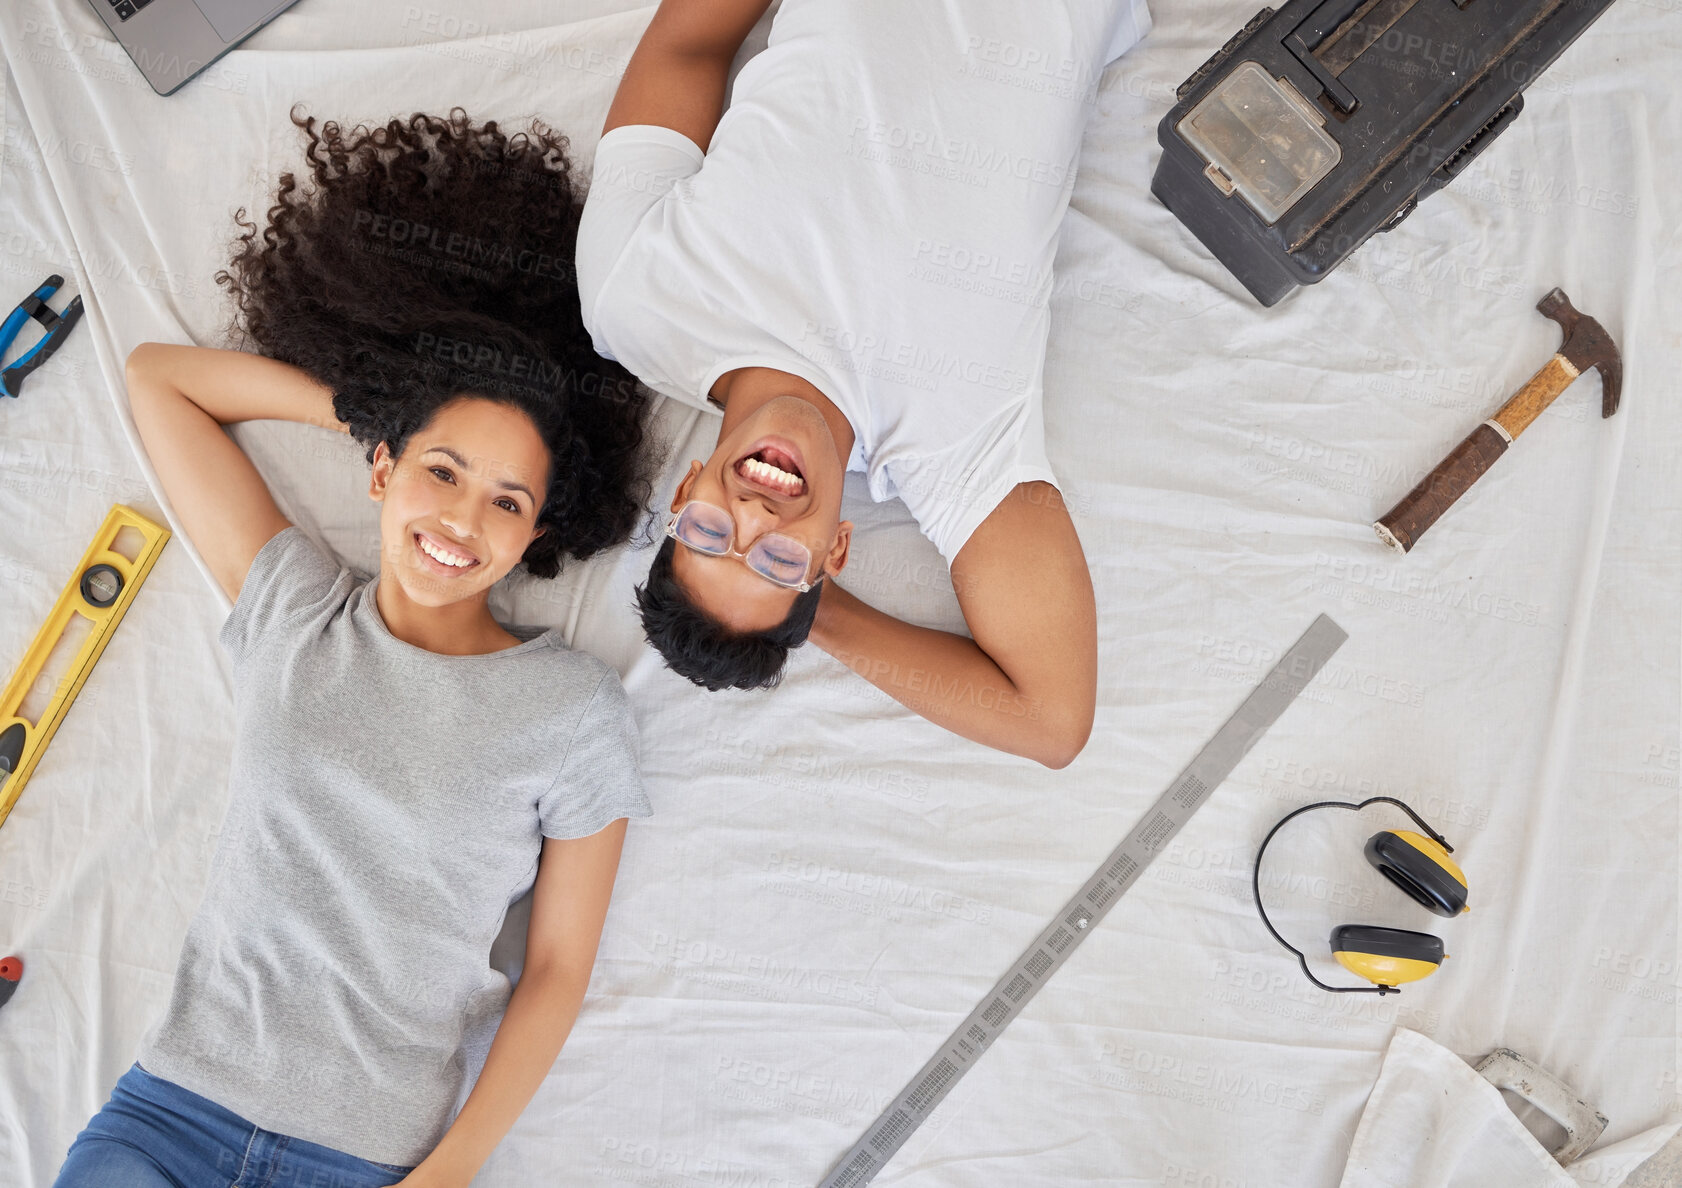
{"type": "Point", "coordinates": [1388, 968]}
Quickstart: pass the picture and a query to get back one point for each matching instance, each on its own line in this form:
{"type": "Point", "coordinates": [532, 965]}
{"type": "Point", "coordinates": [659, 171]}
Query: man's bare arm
{"type": "Point", "coordinates": [677, 74]}
{"type": "Point", "coordinates": [1027, 682]}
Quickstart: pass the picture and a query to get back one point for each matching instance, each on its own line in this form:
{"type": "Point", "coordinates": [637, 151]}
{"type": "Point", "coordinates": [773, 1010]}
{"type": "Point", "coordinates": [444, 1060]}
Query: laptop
{"type": "Point", "coordinates": [173, 40]}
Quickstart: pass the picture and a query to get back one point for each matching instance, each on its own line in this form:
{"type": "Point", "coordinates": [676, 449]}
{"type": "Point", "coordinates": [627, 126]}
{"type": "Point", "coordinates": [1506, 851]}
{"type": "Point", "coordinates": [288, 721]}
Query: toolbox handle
{"type": "Point", "coordinates": [1319, 24]}
{"type": "Point", "coordinates": [1314, 29]}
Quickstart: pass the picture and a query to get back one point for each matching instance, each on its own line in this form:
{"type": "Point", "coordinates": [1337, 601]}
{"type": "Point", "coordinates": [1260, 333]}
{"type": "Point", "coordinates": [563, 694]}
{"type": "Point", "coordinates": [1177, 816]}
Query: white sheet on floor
{"type": "Point", "coordinates": [830, 883]}
{"type": "Point", "coordinates": [1432, 1119]}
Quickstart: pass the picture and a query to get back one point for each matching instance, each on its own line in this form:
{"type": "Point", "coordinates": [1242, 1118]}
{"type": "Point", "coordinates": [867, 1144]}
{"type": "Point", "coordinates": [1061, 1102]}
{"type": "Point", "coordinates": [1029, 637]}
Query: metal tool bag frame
{"type": "Point", "coordinates": [1326, 121]}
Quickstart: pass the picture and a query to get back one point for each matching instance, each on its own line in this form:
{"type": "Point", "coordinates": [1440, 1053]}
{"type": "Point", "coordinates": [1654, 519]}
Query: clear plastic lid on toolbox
{"type": "Point", "coordinates": [1262, 139]}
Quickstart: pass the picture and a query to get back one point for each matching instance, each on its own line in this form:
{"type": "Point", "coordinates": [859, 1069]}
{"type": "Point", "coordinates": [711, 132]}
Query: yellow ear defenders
{"type": "Point", "coordinates": [1422, 868]}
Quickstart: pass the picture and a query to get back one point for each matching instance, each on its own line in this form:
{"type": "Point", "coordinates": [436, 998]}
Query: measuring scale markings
{"type": "Point", "coordinates": [1295, 669]}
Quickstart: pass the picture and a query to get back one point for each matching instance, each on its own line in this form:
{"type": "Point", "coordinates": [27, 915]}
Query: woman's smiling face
{"type": "Point", "coordinates": [460, 506]}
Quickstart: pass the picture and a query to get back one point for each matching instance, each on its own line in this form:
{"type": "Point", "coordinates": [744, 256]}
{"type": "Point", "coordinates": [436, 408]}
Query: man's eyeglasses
{"type": "Point", "coordinates": [708, 528]}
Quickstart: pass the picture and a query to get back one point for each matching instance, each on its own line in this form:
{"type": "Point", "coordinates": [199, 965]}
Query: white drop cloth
{"type": "Point", "coordinates": [830, 883]}
{"type": "Point", "coordinates": [1434, 1120]}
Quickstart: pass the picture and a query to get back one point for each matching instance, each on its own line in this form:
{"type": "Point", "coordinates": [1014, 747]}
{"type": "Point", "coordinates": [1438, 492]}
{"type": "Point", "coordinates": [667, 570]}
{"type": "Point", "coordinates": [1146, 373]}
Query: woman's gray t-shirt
{"type": "Point", "coordinates": [387, 805]}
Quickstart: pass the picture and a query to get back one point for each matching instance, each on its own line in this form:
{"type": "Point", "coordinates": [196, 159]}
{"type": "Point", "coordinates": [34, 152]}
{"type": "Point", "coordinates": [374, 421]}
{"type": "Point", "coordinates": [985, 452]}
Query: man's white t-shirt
{"type": "Point", "coordinates": [878, 214]}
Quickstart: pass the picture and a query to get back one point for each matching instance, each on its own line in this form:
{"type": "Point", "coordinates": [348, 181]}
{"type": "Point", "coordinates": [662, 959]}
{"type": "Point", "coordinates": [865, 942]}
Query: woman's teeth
{"type": "Point", "coordinates": [774, 476]}
{"type": "Point", "coordinates": [442, 555]}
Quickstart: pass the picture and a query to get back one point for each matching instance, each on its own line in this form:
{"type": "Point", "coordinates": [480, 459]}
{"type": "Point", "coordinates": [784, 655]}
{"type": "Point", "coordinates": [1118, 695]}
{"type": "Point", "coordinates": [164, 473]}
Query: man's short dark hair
{"type": "Point", "coordinates": [698, 647]}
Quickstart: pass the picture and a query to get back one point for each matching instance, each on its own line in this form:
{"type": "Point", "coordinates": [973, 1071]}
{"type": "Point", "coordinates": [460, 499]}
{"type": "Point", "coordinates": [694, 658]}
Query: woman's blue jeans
{"type": "Point", "coordinates": [155, 1134]}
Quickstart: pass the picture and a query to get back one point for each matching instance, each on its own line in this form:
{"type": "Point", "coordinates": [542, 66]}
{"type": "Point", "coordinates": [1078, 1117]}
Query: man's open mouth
{"type": "Point", "coordinates": [773, 469]}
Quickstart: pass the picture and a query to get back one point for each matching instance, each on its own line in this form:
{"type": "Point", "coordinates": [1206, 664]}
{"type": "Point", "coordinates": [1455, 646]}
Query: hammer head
{"type": "Point", "coordinates": [1587, 345]}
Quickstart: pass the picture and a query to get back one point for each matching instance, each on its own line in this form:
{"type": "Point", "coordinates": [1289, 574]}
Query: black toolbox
{"type": "Point", "coordinates": [1327, 120]}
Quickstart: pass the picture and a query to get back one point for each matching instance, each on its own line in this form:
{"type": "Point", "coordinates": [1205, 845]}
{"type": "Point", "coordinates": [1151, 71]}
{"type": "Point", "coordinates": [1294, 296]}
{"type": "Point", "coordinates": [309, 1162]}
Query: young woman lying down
{"type": "Point", "coordinates": [404, 767]}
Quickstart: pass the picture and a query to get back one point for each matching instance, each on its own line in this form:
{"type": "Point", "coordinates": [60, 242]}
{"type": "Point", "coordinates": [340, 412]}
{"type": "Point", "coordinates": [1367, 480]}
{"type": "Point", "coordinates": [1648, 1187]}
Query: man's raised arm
{"type": "Point", "coordinates": [677, 74]}
{"type": "Point", "coordinates": [1027, 682]}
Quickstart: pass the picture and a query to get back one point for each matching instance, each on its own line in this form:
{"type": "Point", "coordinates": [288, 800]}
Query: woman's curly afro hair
{"type": "Point", "coordinates": [432, 258]}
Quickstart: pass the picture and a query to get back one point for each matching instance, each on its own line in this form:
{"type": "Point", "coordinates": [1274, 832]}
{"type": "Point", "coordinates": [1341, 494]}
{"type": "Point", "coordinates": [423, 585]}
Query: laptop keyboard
{"type": "Point", "coordinates": [127, 8]}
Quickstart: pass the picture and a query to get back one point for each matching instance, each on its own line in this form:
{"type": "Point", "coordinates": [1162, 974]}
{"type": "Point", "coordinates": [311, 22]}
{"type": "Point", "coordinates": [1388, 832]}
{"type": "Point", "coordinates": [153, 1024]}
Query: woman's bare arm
{"type": "Point", "coordinates": [569, 905]}
{"type": "Point", "coordinates": [181, 396]}
{"type": "Point", "coordinates": [1027, 682]}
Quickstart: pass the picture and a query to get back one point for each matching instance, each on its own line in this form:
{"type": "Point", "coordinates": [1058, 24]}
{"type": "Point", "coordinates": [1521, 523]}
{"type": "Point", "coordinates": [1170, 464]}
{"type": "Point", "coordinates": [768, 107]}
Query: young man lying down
{"type": "Point", "coordinates": [853, 262]}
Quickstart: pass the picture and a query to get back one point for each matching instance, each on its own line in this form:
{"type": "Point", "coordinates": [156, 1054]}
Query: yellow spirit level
{"type": "Point", "coordinates": [100, 591]}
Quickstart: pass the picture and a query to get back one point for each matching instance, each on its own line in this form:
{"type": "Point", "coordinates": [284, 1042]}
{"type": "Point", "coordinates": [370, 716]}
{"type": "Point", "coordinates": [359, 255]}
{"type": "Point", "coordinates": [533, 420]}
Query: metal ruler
{"type": "Point", "coordinates": [1082, 913]}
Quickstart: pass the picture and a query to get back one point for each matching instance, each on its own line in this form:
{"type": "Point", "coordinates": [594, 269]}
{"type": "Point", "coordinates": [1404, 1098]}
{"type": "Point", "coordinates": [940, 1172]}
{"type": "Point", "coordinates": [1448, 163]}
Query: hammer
{"type": "Point", "coordinates": [1586, 345]}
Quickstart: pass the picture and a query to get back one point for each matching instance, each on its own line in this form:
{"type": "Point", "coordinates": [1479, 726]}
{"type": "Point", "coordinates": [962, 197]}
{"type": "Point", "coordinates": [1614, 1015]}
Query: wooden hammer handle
{"type": "Point", "coordinates": [1405, 523]}
{"type": "Point", "coordinates": [1528, 402]}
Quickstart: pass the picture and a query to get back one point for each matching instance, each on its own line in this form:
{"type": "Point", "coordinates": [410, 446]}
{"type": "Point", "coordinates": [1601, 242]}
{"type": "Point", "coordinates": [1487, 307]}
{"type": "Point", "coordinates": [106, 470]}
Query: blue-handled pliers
{"type": "Point", "coordinates": [57, 326]}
